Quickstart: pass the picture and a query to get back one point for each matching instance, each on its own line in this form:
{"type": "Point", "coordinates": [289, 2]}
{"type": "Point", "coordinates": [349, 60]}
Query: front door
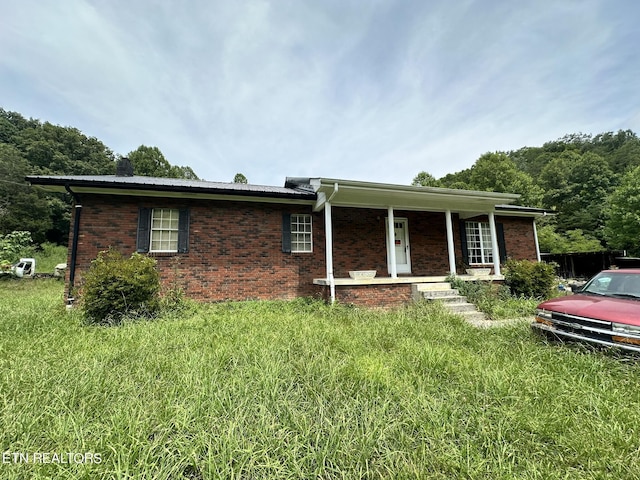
{"type": "Point", "coordinates": [401, 245]}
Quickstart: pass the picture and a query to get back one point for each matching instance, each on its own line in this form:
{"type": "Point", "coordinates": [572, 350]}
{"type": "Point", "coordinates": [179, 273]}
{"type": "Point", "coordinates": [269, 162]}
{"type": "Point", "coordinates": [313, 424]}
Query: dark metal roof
{"type": "Point", "coordinates": [155, 184]}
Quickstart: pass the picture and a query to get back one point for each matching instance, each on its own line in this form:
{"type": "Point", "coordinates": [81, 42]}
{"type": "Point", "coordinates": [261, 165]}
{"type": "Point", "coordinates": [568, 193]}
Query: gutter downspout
{"type": "Point", "coordinates": [74, 245]}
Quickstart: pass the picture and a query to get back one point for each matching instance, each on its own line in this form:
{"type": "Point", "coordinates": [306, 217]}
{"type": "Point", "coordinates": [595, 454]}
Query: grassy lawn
{"type": "Point", "coordinates": [302, 390]}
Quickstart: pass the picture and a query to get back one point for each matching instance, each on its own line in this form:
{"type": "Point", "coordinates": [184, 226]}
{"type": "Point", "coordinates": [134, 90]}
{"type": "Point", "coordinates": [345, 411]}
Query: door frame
{"type": "Point", "coordinates": [400, 268]}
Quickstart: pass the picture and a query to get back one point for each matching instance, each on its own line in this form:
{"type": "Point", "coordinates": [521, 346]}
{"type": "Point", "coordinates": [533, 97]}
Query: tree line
{"type": "Point", "coordinates": [32, 147]}
{"type": "Point", "coordinates": [591, 183]}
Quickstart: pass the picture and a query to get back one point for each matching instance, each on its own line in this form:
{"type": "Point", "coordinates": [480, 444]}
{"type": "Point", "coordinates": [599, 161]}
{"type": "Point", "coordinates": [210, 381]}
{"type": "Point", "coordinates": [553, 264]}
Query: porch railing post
{"type": "Point", "coordinates": [450, 243]}
{"type": "Point", "coordinates": [494, 244]}
{"type": "Point", "coordinates": [391, 235]}
{"type": "Point", "coordinates": [535, 239]}
{"type": "Point", "coordinates": [328, 231]}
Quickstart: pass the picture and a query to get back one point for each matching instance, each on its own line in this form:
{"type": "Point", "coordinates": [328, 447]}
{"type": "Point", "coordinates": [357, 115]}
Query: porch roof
{"type": "Point", "coordinates": [350, 193]}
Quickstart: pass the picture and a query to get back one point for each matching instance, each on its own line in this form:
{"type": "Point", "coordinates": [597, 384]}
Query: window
{"type": "Point", "coordinates": [301, 239]}
{"type": "Point", "coordinates": [164, 230]}
{"type": "Point", "coordinates": [479, 249]}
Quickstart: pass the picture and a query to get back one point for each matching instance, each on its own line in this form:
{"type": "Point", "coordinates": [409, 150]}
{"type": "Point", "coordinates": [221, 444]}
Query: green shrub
{"type": "Point", "coordinates": [116, 286]}
{"type": "Point", "coordinates": [529, 278]}
{"type": "Point", "coordinates": [15, 245]}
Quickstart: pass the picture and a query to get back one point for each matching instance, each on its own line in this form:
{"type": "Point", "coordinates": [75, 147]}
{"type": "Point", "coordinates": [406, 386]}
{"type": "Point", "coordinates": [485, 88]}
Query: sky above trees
{"type": "Point", "coordinates": [373, 91]}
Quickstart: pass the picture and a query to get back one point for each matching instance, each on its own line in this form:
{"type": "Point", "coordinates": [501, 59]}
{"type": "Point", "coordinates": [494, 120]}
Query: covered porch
{"type": "Point", "coordinates": [418, 229]}
{"type": "Point", "coordinates": [387, 291]}
{"type": "Point", "coordinates": [404, 280]}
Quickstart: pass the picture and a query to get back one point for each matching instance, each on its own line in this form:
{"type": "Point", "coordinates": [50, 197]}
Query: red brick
{"type": "Point", "coordinates": [235, 248]}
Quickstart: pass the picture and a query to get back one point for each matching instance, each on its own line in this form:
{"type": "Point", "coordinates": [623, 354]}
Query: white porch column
{"type": "Point", "coordinates": [328, 232]}
{"type": "Point", "coordinates": [391, 235]}
{"type": "Point", "coordinates": [450, 245]}
{"type": "Point", "coordinates": [494, 244]}
{"type": "Point", "coordinates": [535, 238]}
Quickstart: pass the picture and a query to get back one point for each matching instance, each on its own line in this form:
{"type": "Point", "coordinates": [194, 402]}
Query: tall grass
{"type": "Point", "coordinates": [48, 255]}
{"type": "Point", "coordinates": [496, 300]}
{"type": "Point", "coordinates": [302, 390]}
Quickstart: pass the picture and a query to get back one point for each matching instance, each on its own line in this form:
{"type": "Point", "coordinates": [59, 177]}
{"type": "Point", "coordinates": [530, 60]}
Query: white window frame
{"type": "Point", "coordinates": [174, 217]}
{"type": "Point", "coordinates": [301, 233]}
{"type": "Point", "coordinates": [479, 233]}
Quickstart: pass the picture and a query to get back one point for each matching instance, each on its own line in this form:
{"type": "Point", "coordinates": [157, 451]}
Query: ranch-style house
{"type": "Point", "coordinates": [352, 241]}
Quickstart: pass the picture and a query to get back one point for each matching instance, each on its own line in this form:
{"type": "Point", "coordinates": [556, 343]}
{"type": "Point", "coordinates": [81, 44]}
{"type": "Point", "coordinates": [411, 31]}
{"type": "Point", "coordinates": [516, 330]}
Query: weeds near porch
{"type": "Point", "coordinates": [494, 300]}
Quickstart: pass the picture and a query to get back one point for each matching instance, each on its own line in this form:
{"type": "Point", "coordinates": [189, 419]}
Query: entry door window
{"type": "Point", "coordinates": [400, 242]}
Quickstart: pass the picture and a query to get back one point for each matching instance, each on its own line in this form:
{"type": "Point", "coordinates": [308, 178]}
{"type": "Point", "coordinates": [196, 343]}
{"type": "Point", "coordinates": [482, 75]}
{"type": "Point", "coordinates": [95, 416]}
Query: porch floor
{"type": "Point", "coordinates": [390, 280]}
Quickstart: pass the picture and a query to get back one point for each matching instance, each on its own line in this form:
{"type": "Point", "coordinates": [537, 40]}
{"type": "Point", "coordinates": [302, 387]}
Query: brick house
{"type": "Point", "coordinates": [225, 241]}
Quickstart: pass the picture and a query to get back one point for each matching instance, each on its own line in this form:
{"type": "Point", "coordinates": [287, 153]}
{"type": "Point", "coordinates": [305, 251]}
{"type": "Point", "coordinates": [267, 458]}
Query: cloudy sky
{"type": "Point", "coordinates": [375, 90]}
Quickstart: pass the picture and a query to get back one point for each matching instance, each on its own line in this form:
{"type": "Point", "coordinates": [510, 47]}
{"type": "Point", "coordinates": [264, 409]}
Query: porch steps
{"type": "Point", "coordinates": [450, 297]}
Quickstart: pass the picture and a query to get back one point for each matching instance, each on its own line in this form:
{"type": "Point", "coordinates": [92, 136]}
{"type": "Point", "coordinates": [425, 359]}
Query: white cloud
{"type": "Point", "coordinates": [376, 90]}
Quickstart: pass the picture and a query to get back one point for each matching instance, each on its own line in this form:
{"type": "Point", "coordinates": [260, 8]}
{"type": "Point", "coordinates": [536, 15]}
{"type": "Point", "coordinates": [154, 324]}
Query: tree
{"type": "Point", "coordinates": [13, 245]}
{"type": "Point", "coordinates": [572, 241]}
{"type": "Point", "coordinates": [590, 183]}
{"type": "Point", "coordinates": [31, 147]}
{"type": "Point", "coordinates": [240, 178]}
{"type": "Point", "coordinates": [627, 157]}
{"type": "Point", "coordinates": [622, 225]}
{"type": "Point", "coordinates": [459, 180]}
{"type": "Point", "coordinates": [554, 179]}
{"type": "Point", "coordinates": [150, 162]}
{"type": "Point", "coordinates": [22, 207]}
{"type": "Point", "coordinates": [424, 179]}
{"type": "Point", "coordinates": [496, 172]}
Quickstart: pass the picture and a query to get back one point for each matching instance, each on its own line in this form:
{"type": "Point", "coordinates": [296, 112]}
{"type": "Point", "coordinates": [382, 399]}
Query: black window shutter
{"type": "Point", "coordinates": [463, 242]}
{"type": "Point", "coordinates": [286, 232]}
{"type": "Point", "coordinates": [502, 245]}
{"type": "Point", "coordinates": [144, 230]}
{"type": "Point", "coordinates": [183, 230]}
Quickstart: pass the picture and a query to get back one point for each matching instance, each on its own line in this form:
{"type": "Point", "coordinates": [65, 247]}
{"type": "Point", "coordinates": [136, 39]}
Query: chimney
{"type": "Point", "coordinates": [124, 168]}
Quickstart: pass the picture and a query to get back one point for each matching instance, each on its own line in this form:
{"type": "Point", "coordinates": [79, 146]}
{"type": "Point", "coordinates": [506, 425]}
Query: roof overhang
{"type": "Point", "coordinates": [171, 188]}
{"type": "Point", "coordinates": [520, 211]}
{"type": "Point", "coordinates": [348, 193]}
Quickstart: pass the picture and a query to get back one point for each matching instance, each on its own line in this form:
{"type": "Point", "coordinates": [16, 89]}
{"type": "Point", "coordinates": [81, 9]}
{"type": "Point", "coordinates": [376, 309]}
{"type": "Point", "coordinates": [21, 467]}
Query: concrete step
{"type": "Point", "coordinates": [440, 294]}
{"type": "Point", "coordinates": [450, 298]}
{"type": "Point", "coordinates": [430, 287]}
{"type": "Point", "coordinates": [473, 316]}
{"type": "Point", "coordinates": [432, 291]}
{"type": "Point", "coordinates": [461, 307]}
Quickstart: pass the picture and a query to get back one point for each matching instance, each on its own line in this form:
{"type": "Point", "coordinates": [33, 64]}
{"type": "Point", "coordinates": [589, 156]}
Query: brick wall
{"type": "Point", "coordinates": [519, 237]}
{"type": "Point", "coordinates": [388, 296]}
{"type": "Point", "coordinates": [359, 240]}
{"type": "Point", "coordinates": [235, 248]}
{"type": "Point", "coordinates": [360, 236]}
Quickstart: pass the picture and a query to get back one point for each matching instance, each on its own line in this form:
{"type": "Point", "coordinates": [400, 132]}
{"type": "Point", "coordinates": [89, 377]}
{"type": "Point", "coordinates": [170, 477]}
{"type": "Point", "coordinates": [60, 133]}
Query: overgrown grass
{"type": "Point", "coordinates": [48, 255]}
{"type": "Point", "coordinates": [303, 390]}
{"type": "Point", "coordinates": [495, 300]}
